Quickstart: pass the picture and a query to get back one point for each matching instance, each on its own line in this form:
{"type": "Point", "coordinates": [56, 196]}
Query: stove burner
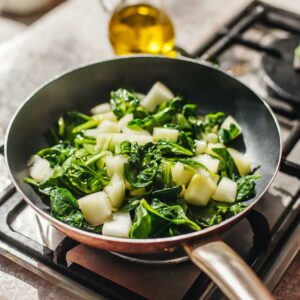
{"type": "Point", "coordinates": [159, 259]}
{"type": "Point", "coordinates": [279, 73]}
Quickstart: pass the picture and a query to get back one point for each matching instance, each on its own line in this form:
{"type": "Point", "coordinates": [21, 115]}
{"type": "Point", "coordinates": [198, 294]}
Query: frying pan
{"type": "Point", "coordinates": [213, 91]}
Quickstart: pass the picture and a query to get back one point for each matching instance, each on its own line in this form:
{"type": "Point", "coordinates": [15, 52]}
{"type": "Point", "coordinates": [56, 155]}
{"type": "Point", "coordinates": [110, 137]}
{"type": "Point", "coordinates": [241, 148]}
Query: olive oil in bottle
{"type": "Point", "coordinates": [141, 28]}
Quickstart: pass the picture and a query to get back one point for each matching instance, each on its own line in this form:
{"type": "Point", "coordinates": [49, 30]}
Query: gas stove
{"type": "Point", "coordinates": [268, 238]}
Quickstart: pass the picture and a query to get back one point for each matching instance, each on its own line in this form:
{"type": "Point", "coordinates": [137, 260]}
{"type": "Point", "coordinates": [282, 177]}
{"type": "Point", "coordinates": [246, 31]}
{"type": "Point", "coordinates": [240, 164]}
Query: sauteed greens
{"type": "Point", "coordinates": [143, 166]}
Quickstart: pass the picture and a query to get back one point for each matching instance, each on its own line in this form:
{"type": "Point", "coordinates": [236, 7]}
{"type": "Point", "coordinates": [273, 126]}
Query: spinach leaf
{"type": "Point", "coordinates": [64, 207]}
{"type": "Point", "coordinates": [81, 178]}
{"type": "Point", "coordinates": [123, 102]}
{"type": "Point", "coordinates": [172, 213]}
{"type": "Point", "coordinates": [152, 220]}
{"type": "Point", "coordinates": [169, 148]}
{"type": "Point", "coordinates": [186, 140]}
{"type": "Point", "coordinates": [57, 154]}
{"type": "Point", "coordinates": [142, 166]}
{"type": "Point", "coordinates": [214, 213]}
{"type": "Point", "coordinates": [168, 193]}
{"type": "Point", "coordinates": [68, 122]}
{"type": "Point", "coordinates": [142, 224]}
{"type": "Point", "coordinates": [246, 187]}
{"type": "Point", "coordinates": [62, 201]}
{"type": "Point", "coordinates": [130, 205]}
{"type": "Point", "coordinates": [126, 148]}
{"type": "Point", "coordinates": [213, 119]}
{"type": "Point", "coordinates": [163, 115]}
{"type": "Point", "coordinates": [227, 166]}
{"type": "Point", "coordinates": [228, 135]}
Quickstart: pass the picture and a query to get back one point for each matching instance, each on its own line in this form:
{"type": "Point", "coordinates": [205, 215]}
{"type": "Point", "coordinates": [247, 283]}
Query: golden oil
{"type": "Point", "coordinates": [141, 28]}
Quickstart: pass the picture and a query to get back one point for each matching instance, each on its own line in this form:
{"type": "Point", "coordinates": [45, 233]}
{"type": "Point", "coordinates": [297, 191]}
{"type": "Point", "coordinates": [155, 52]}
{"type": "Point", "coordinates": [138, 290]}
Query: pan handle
{"type": "Point", "coordinates": [228, 270]}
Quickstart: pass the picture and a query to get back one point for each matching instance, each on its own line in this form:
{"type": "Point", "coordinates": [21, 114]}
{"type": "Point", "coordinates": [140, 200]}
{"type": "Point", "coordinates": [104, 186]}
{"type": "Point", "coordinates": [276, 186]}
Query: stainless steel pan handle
{"type": "Point", "coordinates": [228, 270]}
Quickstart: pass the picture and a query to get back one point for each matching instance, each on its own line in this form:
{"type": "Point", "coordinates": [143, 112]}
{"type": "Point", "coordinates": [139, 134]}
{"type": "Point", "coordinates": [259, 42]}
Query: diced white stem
{"type": "Point", "coordinates": [230, 120]}
{"type": "Point", "coordinates": [91, 132]}
{"type": "Point", "coordinates": [211, 138]}
{"type": "Point", "coordinates": [226, 190]}
{"type": "Point", "coordinates": [96, 208]}
{"type": "Point", "coordinates": [208, 161]}
{"type": "Point", "coordinates": [115, 164]}
{"type": "Point", "coordinates": [211, 146]}
{"type": "Point", "coordinates": [123, 122]}
{"type": "Point", "coordinates": [199, 190]}
{"type": "Point", "coordinates": [110, 140]}
{"type": "Point", "coordinates": [118, 226]}
{"type": "Point", "coordinates": [108, 126]}
{"type": "Point", "coordinates": [109, 116]}
{"type": "Point", "coordinates": [180, 175]}
{"type": "Point", "coordinates": [101, 108]}
{"type": "Point", "coordinates": [116, 191]}
{"type": "Point", "coordinates": [296, 63]}
{"type": "Point", "coordinates": [127, 130]}
{"type": "Point", "coordinates": [165, 133]}
{"type": "Point", "coordinates": [158, 94]}
{"type": "Point", "coordinates": [242, 162]}
{"type": "Point", "coordinates": [200, 146]}
{"type": "Point", "coordinates": [40, 169]}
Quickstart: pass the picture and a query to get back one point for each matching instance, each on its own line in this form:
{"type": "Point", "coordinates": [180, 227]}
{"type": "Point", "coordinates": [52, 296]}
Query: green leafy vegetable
{"type": "Point", "coordinates": [213, 119]}
{"type": "Point", "coordinates": [228, 166]}
{"type": "Point", "coordinates": [168, 148]}
{"type": "Point", "coordinates": [148, 216]}
{"type": "Point", "coordinates": [142, 166]}
{"type": "Point", "coordinates": [142, 224]}
{"type": "Point", "coordinates": [123, 102]}
{"type": "Point", "coordinates": [214, 213]}
{"type": "Point", "coordinates": [228, 135]}
{"type": "Point", "coordinates": [246, 187]}
{"type": "Point", "coordinates": [64, 207]}
{"type": "Point", "coordinates": [81, 178]}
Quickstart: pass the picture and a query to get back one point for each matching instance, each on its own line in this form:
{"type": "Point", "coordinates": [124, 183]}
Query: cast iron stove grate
{"type": "Point", "coordinates": [267, 238]}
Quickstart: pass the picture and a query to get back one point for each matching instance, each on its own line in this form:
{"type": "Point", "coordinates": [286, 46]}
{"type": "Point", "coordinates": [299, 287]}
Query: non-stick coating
{"type": "Point", "coordinates": [85, 87]}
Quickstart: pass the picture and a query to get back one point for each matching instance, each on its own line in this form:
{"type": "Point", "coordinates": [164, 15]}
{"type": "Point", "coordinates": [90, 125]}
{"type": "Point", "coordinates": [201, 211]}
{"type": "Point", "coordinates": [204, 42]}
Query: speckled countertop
{"type": "Point", "coordinates": [74, 33]}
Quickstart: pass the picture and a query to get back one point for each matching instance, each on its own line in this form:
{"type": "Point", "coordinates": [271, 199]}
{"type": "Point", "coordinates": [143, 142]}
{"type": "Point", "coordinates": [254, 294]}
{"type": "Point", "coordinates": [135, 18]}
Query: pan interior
{"type": "Point", "coordinates": [86, 87]}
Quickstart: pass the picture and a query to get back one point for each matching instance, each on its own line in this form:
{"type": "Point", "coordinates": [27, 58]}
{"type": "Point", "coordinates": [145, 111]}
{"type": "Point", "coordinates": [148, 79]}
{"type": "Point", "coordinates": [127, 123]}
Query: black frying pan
{"type": "Point", "coordinates": [213, 90]}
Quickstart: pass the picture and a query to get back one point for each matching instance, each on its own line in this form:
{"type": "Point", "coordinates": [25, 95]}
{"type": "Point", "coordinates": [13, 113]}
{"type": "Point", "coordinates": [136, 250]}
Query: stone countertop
{"type": "Point", "coordinates": [75, 33]}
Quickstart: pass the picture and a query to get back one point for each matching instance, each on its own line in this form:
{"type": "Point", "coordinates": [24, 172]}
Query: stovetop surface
{"type": "Point", "coordinates": [238, 48]}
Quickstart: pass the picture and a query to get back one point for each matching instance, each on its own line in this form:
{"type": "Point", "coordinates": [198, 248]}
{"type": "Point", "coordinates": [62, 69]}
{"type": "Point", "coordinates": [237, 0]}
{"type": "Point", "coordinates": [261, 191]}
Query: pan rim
{"type": "Point", "coordinates": [154, 241]}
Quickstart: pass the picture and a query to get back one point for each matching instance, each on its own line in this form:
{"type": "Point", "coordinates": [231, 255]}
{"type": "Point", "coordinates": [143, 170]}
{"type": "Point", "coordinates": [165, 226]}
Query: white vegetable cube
{"type": "Point", "coordinates": [118, 226]}
{"type": "Point", "coordinates": [91, 132]}
{"type": "Point", "coordinates": [226, 190]}
{"type": "Point", "coordinates": [124, 121]}
{"type": "Point", "coordinates": [200, 146]}
{"type": "Point", "coordinates": [211, 138]}
{"type": "Point", "coordinates": [209, 162]}
{"type": "Point", "coordinates": [109, 116]}
{"type": "Point", "coordinates": [115, 164]}
{"type": "Point", "coordinates": [228, 121]}
{"type": "Point", "coordinates": [158, 94]}
{"type": "Point", "coordinates": [199, 190]}
{"type": "Point", "coordinates": [127, 130]}
{"type": "Point", "coordinates": [165, 133]}
{"type": "Point", "coordinates": [180, 175]}
{"type": "Point", "coordinates": [96, 208]}
{"type": "Point", "coordinates": [108, 126]}
{"type": "Point", "coordinates": [40, 169]}
{"type": "Point", "coordinates": [214, 177]}
{"type": "Point", "coordinates": [101, 108]}
{"type": "Point", "coordinates": [243, 163]}
{"type": "Point", "coordinates": [211, 146]}
{"type": "Point", "coordinates": [110, 140]}
{"type": "Point", "coordinates": [116, 191]}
